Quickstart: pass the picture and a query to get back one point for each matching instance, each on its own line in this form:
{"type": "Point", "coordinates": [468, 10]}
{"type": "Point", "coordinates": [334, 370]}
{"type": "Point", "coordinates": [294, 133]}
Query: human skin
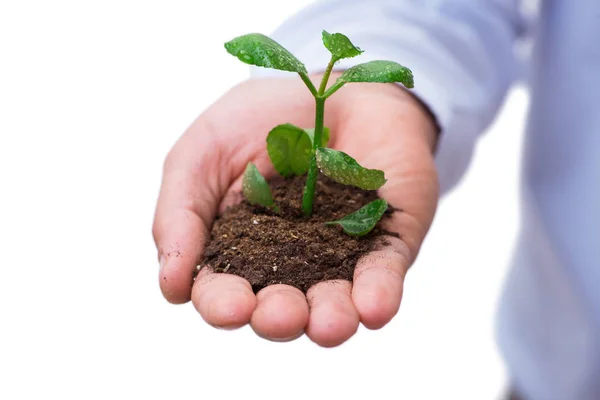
{"type": "Point", "coordinates": [381, 125]}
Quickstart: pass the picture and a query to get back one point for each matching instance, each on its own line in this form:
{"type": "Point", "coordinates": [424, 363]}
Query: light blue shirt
{"type": "Point", "coordinates": [463, 55]}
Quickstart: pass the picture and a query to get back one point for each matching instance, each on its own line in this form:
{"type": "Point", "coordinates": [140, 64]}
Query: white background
{"type": "Point", "coordinates": [92, 96]}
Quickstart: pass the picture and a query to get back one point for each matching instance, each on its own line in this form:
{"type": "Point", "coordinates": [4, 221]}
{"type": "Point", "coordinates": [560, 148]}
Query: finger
{"type": "Point", "coordinates": [186, 206]}
{"type": "Point", "coordinates": [378, 283]}
{"type": "Point", "coordinates": [223, 300]}
{"type": "Point", "coordinates": [180, 237]}
{"type": "Point", "coordinates": [333, 318]}
{"type": "Point", "coordinates": [281, 313]}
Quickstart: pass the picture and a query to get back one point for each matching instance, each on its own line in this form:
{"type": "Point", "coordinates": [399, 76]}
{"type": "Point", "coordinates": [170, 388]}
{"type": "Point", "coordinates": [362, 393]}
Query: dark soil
{"type": "Point", "coordinates": [268, 248]}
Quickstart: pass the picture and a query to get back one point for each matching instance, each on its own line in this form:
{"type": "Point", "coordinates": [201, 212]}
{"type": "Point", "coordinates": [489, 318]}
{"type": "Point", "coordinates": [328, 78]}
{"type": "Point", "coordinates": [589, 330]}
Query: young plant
{"type": "Point", "coordinates": [298, 151]}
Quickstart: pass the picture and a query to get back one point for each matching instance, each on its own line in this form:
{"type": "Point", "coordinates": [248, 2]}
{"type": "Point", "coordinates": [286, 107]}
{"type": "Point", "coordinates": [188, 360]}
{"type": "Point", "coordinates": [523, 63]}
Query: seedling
{"type": "Point", "coordinates": [298, 151]}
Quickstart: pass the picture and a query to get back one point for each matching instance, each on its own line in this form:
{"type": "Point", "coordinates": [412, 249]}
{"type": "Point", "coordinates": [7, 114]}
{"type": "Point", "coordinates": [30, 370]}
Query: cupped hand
{"type": "Point", "coordinates": [381, 125]}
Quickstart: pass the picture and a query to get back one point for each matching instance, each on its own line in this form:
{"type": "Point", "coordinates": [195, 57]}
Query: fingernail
{"type": "Point", "coordinates": [162, 261]}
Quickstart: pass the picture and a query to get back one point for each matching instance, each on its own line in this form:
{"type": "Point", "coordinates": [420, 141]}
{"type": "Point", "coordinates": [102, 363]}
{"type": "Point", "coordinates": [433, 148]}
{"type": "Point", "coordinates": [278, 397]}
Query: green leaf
{"type": "Point", "coordinates": [324, 138]}
{"type": "Point", "coordinates": [378, 71]}
{"type": "Point", "coordinates": [344, 169]}
{"type": "Point", "coordinates": [255, 187]}
{"type": "Point", "coordinates": [340, 46]}
{"type": "Point", "coordinates": [260, 50]}
{"type": "Point", "coordinates": [361, 222]}
{"type": "Point", "coordinates": [289, 148]}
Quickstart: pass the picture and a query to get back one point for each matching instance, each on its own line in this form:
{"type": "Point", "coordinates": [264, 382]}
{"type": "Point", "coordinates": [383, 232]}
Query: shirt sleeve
{"type": "Point", "coordinates": [461, 53]}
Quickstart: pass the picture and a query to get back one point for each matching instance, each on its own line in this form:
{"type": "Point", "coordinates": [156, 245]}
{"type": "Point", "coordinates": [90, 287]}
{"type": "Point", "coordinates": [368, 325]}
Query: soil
{"type": "Point", "coordinates": [268, 248]}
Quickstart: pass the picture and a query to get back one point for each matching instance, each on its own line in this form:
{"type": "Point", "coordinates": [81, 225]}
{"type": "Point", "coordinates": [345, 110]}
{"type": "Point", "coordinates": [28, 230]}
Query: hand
{"type": "Point", "coordinates": [381, 125]}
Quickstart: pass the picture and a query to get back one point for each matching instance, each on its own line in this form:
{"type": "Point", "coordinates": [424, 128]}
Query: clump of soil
{"type": "Point", "coordinates": [268, 248]}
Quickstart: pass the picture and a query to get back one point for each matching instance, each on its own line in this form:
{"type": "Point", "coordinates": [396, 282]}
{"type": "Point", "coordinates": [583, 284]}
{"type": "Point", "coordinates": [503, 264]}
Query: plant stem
{"type": "Point", "coordinates": [311, 179]}
{"type": "Point", "coordinates": [309, 84]}
{"type": "Point", "coordinates": [326, 76]}
{"type": "Point", "coordinates": [334, 88]}
{"type": "Point", "coordinates": [319, 123]}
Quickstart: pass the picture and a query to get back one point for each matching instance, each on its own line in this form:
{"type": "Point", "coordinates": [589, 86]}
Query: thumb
{"type": "Point", "coordinates": [394, 137]}
{"type": "Point", "coordinates": [391, 131]}
{"type": "Point", "coordinates": [189, 196]}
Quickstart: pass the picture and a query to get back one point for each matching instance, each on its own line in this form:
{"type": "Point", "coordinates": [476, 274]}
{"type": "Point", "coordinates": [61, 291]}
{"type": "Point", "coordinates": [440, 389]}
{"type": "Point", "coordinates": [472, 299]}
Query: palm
{"type": "Point", "coordinates": [379, 125]}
